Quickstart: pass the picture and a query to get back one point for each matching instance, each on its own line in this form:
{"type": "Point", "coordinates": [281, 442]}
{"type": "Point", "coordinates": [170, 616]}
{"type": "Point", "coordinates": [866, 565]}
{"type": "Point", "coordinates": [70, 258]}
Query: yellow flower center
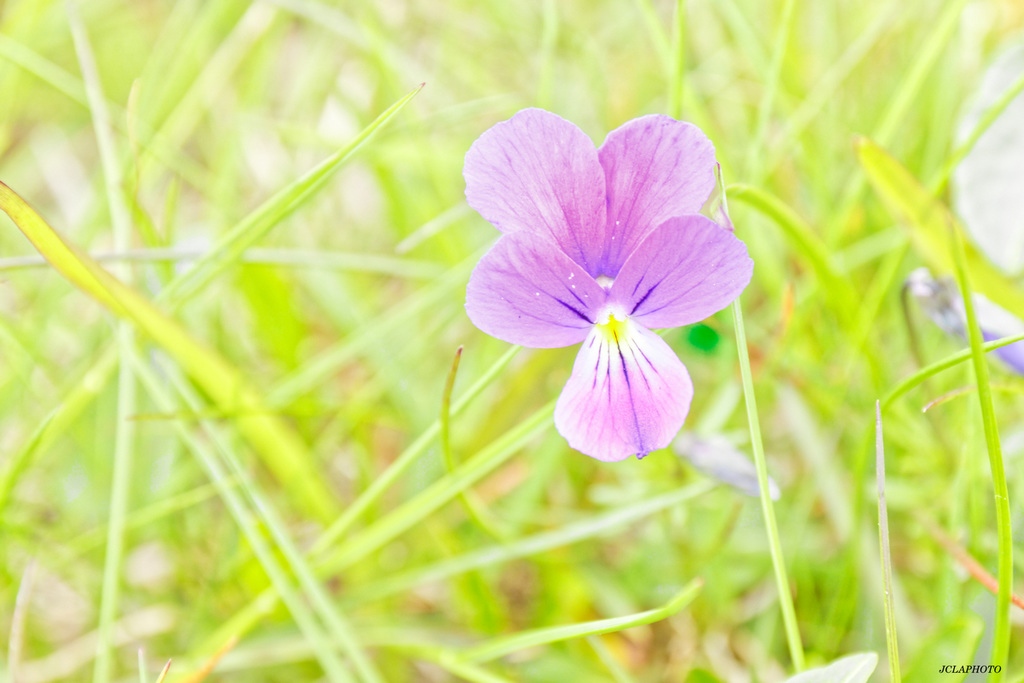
{"type": "Point", "coordinates": [614, 327]}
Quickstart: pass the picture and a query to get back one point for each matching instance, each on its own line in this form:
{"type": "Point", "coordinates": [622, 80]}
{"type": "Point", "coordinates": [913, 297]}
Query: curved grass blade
{"type": "Point", "coordinates": [526, 546]}
{"type": "Point", "coordinates": [250, 528]}
{"type": "Point", "coordinates": [1001, 632]}
{"type": "Point", "coordinates": [929, 221]}
{"type": "Point", "coordinates": [499, 647]}
{"type": "Point", "coordinates": [443, 490]}
{"type": "Point", "coordinates": [282, 451]}
{"type": "Point", "coordinates": [230, 246]}
{"type": "Point", "coordinates": [944, 364]}
{"type": "Point", "coordinates": [276, 439]}
{"type": "Point", "coordinates": [476, 512]}
{"type": "Point", "coordinates": [798, 231]}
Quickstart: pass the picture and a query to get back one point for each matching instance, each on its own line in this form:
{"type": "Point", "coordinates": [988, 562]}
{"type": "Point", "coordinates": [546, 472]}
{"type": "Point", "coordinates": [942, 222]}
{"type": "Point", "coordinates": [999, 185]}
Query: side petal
{"type": "Point", "coordinates": [539, 173]}
{"type": "Point", "coordinates": [526, 291]}
{"type": "Point", "coordinates": [684, 271]}
{"type": "Point", "coordinates": [655, 168]}
{"type": "Point", "coordinates": [627, 395]}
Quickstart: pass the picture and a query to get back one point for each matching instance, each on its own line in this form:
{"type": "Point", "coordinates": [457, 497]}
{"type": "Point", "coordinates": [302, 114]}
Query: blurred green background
{"type": "Point", "coordinates": [345, 317]}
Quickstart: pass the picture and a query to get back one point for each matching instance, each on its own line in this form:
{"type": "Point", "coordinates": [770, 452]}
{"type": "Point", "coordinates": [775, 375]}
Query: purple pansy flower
{"type": "Point", "coordinates": [600, 246]}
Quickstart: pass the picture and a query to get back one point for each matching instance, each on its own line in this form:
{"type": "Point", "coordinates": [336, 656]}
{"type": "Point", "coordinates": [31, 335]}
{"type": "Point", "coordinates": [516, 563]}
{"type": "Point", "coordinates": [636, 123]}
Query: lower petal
{"type": "Point", "coordinates": [628, 395]}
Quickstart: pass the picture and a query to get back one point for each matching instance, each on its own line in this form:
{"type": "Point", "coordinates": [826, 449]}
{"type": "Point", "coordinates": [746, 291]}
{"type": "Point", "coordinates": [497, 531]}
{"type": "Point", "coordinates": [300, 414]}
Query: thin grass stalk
{"type": "Point", "coordinates": [764, 112]}
{"type": "Point", "coordinates": [945, 364]}
{"type": "Point", "coordinates": [503, 645]}
{"type": "Point", "coordinates": [614, 668]}
{"type": "Point", "coordinates": [142, 666]}
{"type": "Point", "coordinates": [16, 636]}
{"type": "Point", "coordinates": [475, 512]}
{"type": "Point", "coordinates": [1001, 631]}
{"type": "Point", "coordinates": [796, 648]}
{"type": "Point", "coordinates": [406, 459]}
{"type": "Point", "coordinates": [678, 65]}
{"type": "Point", "coordinates": [124, 430]}
{"type": "Point", "coordinates": [883, 541]}
{"type": "Point", "coordinates": [906, 96]}
{"type": "Point", "coordinates": [244, 518]}
{"type": "Point", "coordinates": [938, 183]}
{"type": "Point", "coordinates": [266, 513]}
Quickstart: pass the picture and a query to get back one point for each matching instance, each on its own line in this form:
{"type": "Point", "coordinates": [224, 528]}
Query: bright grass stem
{"type": "Point", "coordinates": [754, 165]}
{"type": "Point", "coordinates": [246, 618]}
{"type": "Point", "coordinates": [406, 459]}
{"type": "Point", "coordinates": [938, 366]}
{"type": "Point", "coordinates": [678, 67]}
{"type": "Point", "coordinates": [475, 511]}
{"type": "Point", "coordinates": [1001, 631]}
{"type": "Point", "coordinates": [254, 226]}
{"type": "Point", "coordinates": [938, 183]}
{"type": "Point", "coordinates": [248, 524]}
{"type": "Point", "coordinates": [125, 428]}
{"type": "Point", "coordinates": [504, 645]}
{"type": "Point", "coordinates": [883, 540]}
{"type": "Point", "coordinates": [796, 648]}
{"type": "Point", "coordinates": [268, 516]}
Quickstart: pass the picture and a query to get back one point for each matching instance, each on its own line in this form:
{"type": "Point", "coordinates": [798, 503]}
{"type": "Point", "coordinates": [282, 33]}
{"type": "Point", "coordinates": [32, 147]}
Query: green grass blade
{"type": "Point", "coordinates": [938, 366]}
{"type": "Point", "coordinates": [764, 110]}
{"type": "Point", "coordinates": [945, 26]}
{"type": "Point", "coordinates": [1001, 632]}
{"type": "Point", "coordinates": [929, 221]}
{"type": "Point", "coordinates": [124, 429]}
{"type": "Point", "coordinates": [230, 246]}
{"type": "Point", "coordinates": [282, 450]}
{"type": "Point", "coordinates": [938, 183]}
{"type": "Point", "coordinates": [883, 542]}
{"type": "Point", "coordinates": [266, 513]}
{"type": "Point", "coordinates": [17, 462]}
{"type": "Point", "coordinates": [499, 647]}
{"type": "Point", "coordinates": [476, 512]}
{"type": "Point", "coordinates": [249, 526]}
{"type": "Point", "coordinates": [799, 232]}
{"type": "Point", "coordinates": [406, 459]}
{"type": "Point", "coordinates": [526, 546]}
{"type": "Point", "coordinates": [796, 649]}
{"type": "Point", "coordinates": [415, 510]}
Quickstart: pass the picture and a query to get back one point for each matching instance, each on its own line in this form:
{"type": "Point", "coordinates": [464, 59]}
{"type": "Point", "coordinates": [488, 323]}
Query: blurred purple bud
{"type": "Point", "coordinates": [940, 299]}
{"type": "Point", "coordinates": [716, 457]}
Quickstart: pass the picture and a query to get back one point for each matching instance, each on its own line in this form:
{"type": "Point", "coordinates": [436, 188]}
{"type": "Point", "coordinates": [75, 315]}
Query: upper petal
{"type": "Point", "coordinates": [539, 173]}
{"type": "Point", "coordinates": [526, 291]}
{"type": "Point", "coordinates": [655, 168]}
{"type": "Point", "coordinates": [684, 271]}
{"type": "Point", "coordinates": [626, 396]}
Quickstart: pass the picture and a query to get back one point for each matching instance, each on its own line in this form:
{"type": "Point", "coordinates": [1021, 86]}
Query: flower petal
{"type": "Point", "coordinates": [526, 291]}
{"type": "Point", "coordinates": [539, 173]}
{"type": "Point", "coordinates": [655, 168]}
{"type": "Point", "coordinates": [626, 396]}
{"type": "Point", "coordinates": [684, 271]}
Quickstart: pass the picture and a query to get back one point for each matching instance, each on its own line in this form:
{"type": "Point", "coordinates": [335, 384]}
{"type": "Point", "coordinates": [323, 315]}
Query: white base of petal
{"type": "Point", "coordinates": [628, 394]}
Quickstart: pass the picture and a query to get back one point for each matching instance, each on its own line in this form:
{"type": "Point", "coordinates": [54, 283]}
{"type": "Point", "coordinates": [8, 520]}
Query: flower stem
{"type": "Point", "coordinates": [796, 648]}
{"type": "Point", "coordinates": [1001, 631]}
